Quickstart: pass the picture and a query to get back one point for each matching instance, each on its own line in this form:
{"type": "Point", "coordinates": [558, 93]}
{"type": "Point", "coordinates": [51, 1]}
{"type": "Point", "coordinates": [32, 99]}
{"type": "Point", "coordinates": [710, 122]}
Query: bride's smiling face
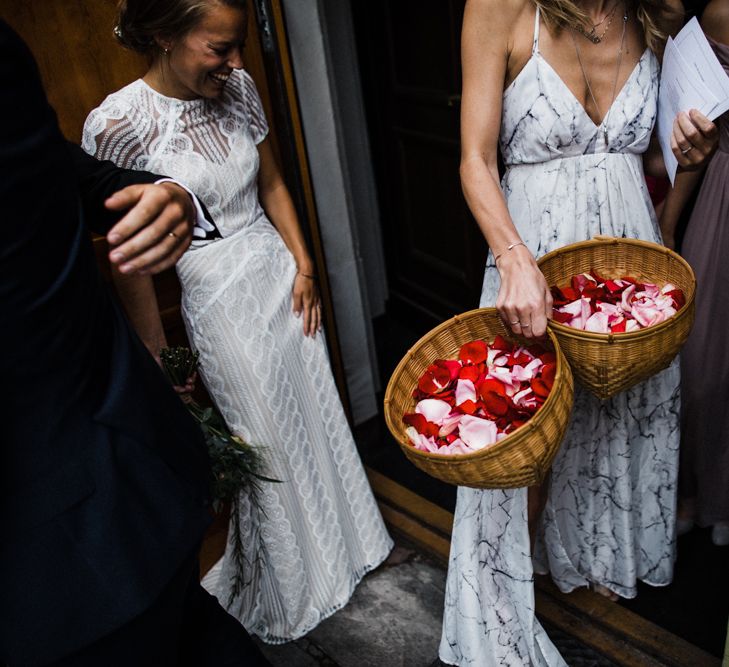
{"type": "Point", "coordinates": [199, 64]}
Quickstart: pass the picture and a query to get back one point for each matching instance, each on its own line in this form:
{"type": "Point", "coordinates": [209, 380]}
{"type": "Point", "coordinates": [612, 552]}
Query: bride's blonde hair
{"type": "Point", "coordinates": [654, 16]}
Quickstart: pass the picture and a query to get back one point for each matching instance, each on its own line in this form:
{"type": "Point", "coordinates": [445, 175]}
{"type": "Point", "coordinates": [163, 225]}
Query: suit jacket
{"type": "Point", "coordinates": [103, 475]}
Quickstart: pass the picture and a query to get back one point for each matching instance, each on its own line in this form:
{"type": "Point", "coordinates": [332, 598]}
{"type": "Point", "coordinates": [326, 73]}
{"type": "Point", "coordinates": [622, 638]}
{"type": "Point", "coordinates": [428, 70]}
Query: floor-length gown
{"type": "Point", "coordinates": [609, 517]}
{"type": "Point", "coordinates": [319, 530]}
{"type": "Point", "coordinates": [705, 357]}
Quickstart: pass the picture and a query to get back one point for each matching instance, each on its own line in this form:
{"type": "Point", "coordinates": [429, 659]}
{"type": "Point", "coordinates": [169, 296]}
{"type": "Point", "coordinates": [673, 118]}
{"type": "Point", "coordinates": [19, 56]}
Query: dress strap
{"type": "Point", "coordinates": [535, 43]}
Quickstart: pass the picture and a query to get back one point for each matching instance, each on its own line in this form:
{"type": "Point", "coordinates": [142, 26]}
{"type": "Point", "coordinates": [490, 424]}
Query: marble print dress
{"type": "Point", "coordinates": [320, 530]}
{"type": "Point", "coordinates": [609, 518]}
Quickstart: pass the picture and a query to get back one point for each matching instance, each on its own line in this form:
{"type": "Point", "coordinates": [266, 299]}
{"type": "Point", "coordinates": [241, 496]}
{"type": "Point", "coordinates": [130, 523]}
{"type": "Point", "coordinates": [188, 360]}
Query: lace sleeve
{"type": "Point", "coordinates": [254, 109]}
{"type": "Point", "coordinates": [110, 133]}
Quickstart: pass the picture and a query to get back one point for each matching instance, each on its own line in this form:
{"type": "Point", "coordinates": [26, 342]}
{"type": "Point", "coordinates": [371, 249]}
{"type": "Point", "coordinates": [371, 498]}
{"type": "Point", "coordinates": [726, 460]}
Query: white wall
{"type": "Point", "coordinates": [327, 80]}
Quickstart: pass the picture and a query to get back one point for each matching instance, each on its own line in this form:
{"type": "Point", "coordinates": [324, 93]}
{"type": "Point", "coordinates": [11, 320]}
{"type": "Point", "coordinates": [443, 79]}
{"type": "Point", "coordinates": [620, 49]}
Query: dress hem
{"type": "Point", "coordinates": [355, 581]}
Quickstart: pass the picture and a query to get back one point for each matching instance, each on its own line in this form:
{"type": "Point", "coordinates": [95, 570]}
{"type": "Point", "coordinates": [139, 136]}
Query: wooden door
{"type": "Point", "coordinates": [410, 63]}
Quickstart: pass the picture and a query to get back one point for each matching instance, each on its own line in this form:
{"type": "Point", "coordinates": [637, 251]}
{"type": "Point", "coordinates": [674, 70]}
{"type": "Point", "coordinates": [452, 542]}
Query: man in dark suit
{"type": "Point", "coordinates": [104, 477]}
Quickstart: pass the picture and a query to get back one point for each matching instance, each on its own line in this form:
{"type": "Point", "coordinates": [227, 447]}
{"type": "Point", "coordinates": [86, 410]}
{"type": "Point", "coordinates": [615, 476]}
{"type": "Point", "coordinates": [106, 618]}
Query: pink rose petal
{"type": "Point", "coordinates": [477, 433]}
{"type": "Point", "coordinates": [465, 391]}
{"type": "Point", "coordinates": [433, 410]}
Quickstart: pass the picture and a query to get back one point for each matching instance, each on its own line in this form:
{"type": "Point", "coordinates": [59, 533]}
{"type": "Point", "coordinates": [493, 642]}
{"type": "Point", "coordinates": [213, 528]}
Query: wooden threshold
{"type": "Point", "coordinates": [617, 633]}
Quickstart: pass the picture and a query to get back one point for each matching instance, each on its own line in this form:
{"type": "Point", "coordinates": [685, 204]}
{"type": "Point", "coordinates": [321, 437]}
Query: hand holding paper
{"type": "Point", "coordinates": [692, 94]}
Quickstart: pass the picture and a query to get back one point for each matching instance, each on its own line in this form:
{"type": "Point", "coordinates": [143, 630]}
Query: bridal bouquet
{"type": "Point", "coordinates": [592, 303]}
{"type": "Point", "coordinates": [235, 464]}
{"type": "Point", "coordinates": [472, 402]}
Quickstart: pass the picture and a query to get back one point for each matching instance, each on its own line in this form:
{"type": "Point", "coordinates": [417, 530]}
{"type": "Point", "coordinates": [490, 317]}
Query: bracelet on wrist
{"type": "Point", "coordinates": [508, 248]}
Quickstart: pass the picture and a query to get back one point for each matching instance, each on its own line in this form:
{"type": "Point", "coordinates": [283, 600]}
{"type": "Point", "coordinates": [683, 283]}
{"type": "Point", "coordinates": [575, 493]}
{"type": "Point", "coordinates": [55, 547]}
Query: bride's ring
{"type": "Point", "coordinates": [514, 322]}
{"type": "Point", "coordinates": [524, 326]}
{"type": "Point", "coordinates": [686, 150]}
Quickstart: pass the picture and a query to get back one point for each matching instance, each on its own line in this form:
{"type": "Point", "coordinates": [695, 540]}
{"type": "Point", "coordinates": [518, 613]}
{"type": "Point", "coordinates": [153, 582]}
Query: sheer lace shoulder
{"type": "Point", "coordinates": [118, 131]}
{"type": "Point", "coordinates": [244, 95]}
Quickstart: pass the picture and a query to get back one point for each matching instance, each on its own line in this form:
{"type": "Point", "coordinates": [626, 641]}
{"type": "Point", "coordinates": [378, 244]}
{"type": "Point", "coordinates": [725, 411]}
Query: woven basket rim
{"type": "Point", "coordinates": [489, 450]}
{"type": "Point", "coordinates": [613, 338]}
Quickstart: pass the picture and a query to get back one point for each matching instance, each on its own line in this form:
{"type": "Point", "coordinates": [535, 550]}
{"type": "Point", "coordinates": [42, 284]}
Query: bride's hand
{"type": "Point", "coordinates": [524, 301]}
{"type": "Point", "coordinates": [306, 302]}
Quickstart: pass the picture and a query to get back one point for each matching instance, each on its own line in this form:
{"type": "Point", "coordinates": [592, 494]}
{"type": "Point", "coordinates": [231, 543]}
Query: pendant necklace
{"type": "Point", "coordinates": [596, 39]}
{"type": "Point", "coordinates": [617, 73]}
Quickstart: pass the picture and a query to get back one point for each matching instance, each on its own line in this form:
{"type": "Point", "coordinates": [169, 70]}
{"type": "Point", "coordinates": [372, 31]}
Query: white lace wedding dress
{"type": "Point", "coordinates": [610, 514]}
{"type": "Point", "coordinates": [320, 530]}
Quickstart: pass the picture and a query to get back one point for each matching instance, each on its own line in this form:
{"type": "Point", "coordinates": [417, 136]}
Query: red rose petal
{"type": "Point", "coordinates": [471, 373]}
{"type": "Point", "coordinates": [474, 352]}
{"type": "Point", "coordinates": [539, 387]}
{"type": "Point", "coordinates": [678, 298]}
{"type": "Point", "coordinates": [502, 344]}
{"type": "Point", "coordinates": [421, 424]}
{"type": "Point", "coordinates": [547, 375]}
{"type": "Point", "coordinates": [495, 403]}
{"type": "Point", "coordinates": [435, 379]}
{"type": "Point", "coordinates": [468, 407]}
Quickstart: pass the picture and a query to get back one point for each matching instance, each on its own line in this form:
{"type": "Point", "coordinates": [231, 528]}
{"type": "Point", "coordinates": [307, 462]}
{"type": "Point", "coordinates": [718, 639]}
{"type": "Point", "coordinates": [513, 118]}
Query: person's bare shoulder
{"type": "Point", "coordinates": [504, 24]}
{"type": "Point", "coordinates": [715, 21]}
{"type": "Point", "coordinates": [499, 15]}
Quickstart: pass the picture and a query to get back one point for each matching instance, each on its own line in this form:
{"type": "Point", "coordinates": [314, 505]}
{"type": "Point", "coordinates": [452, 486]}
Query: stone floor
{"type": "Point", "coordinates": [394, 619]}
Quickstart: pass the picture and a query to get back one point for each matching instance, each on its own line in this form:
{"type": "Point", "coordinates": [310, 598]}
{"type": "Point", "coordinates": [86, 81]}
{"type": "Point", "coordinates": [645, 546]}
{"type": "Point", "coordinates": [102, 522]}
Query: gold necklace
{"type": "Point", "coordinates": [615, 81]}
{"type": "Point", "coordinates": [596, 39]}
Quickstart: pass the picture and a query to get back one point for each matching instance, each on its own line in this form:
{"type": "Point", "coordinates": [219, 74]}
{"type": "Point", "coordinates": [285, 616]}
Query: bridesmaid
{"type": "Point", "coordinates": [704, 464]}
{"type": "Point", "coordinates": [566, 92]}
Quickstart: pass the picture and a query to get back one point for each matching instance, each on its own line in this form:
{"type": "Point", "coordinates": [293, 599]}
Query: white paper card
{"type": "Point", "coordinates": [680, 90]}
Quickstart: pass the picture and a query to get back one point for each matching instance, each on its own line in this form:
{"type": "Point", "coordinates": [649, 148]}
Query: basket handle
{"type": "Point", "coordinates": [604, 237]}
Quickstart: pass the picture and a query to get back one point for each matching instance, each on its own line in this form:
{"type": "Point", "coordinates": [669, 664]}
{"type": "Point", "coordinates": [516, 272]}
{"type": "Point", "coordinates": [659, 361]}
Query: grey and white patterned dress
{"type": "Point", "coordinates": [321, 529]}
{"type": "Point", "coordinates": [609, 518]}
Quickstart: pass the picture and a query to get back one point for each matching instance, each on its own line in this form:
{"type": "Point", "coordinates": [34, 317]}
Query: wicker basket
{"type": "Point", "coordinates": [524, 456]}
{"type": "Point", "coordinates": [610, 363]}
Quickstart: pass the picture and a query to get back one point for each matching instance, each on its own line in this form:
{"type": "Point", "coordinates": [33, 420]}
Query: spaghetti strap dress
{"type": "Point", "coordinates": [609, 517]}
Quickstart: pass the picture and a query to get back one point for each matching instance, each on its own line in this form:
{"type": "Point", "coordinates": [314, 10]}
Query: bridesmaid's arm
{"type": "Point", "coordinates": [279, 208]}
{"type": "Point", "coordinates": [524, 301]}
{"type": "Point", "coordinates": [674, 203]}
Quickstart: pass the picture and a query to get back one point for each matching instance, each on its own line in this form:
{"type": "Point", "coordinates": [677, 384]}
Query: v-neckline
{"type": "Point", "coordinates": [538, 54]}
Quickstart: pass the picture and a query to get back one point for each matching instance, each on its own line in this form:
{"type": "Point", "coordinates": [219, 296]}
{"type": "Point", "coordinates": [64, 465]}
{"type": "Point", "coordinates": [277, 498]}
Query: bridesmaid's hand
{"type": "Point", "coordinates": [306, 301]}
{"type": "Point", "coordinates": [524, 301]}
{"type": "Point", "coordinates": [694, 139]}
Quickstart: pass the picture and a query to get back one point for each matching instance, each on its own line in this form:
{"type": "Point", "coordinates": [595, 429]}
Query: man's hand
{"type": "Point", "coordinates": [156, 230]}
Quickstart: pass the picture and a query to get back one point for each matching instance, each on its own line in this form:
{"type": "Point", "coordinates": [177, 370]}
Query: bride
{"type": "Point", "coordinates": [251, 309]}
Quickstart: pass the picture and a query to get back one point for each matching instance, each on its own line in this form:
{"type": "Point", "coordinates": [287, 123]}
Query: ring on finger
{"type": "Point", "coordinates": [686, 150]}
{"type": "Point", "coordinates": [515, 322]}
{"type": "Point", "coordinates": [172, 234]}
{"type": "Point", "coordinates": [524, 326]}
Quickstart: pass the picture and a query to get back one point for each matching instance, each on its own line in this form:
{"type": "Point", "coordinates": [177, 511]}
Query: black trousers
{"type": "Point", "coordinates": [184, 627]}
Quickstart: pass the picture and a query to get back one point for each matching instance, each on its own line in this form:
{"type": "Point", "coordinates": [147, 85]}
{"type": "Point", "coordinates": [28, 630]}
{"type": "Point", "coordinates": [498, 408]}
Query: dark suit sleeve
{"type": "Point", "coordinates": [98, 180]}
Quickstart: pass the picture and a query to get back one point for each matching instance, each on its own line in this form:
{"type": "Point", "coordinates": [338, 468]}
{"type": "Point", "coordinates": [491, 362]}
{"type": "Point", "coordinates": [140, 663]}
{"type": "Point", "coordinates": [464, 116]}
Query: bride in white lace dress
{"type": "Point", "coordinates": [250, 308]}
{"type": "Point", "coordinates": [574, 169]}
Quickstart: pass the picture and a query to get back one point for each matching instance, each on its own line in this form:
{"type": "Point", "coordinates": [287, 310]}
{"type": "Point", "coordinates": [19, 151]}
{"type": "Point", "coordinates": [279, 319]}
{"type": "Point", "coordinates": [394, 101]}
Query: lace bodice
{"type": "Point", "coordinates": [207, 144]}
{"type": "Point", "coordinates": [543, 120]}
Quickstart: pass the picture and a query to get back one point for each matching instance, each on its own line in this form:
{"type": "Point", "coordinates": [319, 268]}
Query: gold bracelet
{"type": "Point", "coordinates": [509, 247]}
